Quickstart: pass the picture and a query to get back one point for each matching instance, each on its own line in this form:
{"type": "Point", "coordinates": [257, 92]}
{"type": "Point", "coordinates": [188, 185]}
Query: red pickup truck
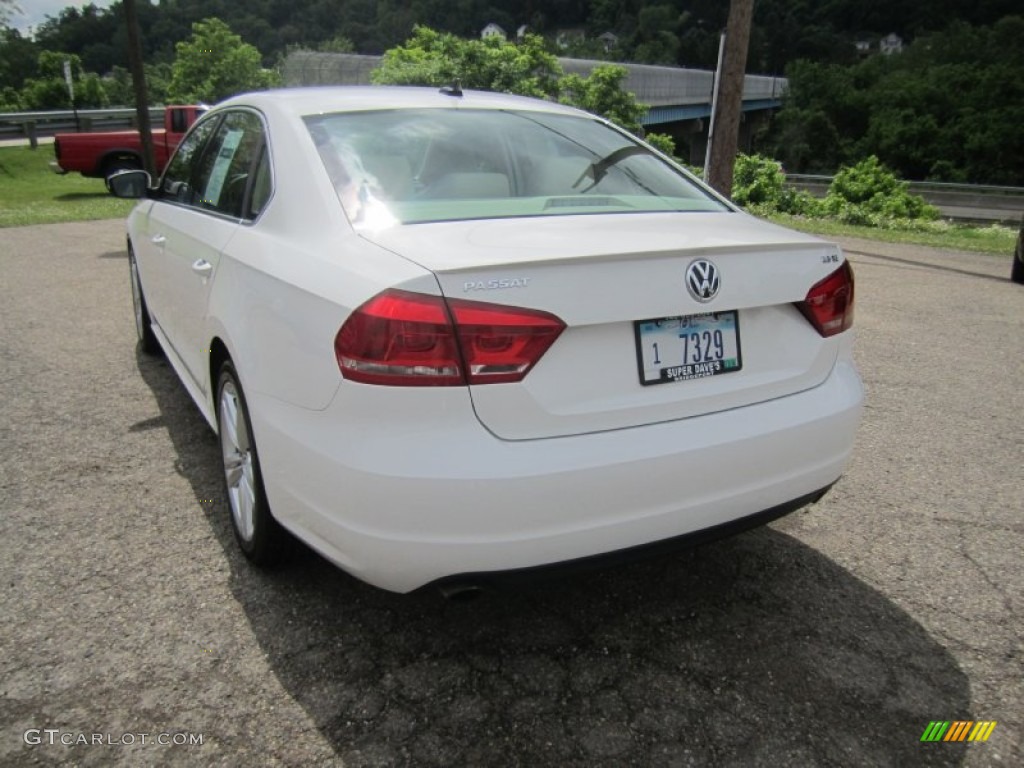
{"type": "Point", "coordinates": [100, 155]}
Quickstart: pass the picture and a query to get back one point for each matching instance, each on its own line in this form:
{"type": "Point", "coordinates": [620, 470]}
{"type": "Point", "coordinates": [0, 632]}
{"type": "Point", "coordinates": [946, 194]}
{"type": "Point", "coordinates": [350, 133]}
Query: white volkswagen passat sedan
{"type": "Point", "coordinates": [444, 335]}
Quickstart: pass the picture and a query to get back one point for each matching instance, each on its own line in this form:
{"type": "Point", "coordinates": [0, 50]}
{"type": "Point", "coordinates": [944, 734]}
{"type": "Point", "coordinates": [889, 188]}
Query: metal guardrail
{"type": "Point", "coordinates": [26, 124]}
{"type": "Point", "coordinates": [917, 187]}
{"type": "Point", "coordinates": [968, 202]}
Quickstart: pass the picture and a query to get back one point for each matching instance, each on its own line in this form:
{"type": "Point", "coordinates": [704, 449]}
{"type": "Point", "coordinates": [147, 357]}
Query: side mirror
{"type": "Point", "coordinates": [131, 184]}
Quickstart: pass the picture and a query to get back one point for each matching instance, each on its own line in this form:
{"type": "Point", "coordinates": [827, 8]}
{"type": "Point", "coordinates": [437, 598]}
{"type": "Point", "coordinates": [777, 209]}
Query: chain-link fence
{"type": "Point", "coordinates": [311, 68]}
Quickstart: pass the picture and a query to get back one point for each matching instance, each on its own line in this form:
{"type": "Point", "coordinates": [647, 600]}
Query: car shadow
{"type": "Point", "coordinates": [70, 197]}
{"type": "Point", "coordinates": [915, 263]}
{"type": "Point", "coordinates": [753, 650]}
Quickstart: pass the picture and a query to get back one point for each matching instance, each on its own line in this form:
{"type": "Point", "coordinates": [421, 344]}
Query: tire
{"type": "Point", "coordinates": [1017, 270]}
{"type": "Point", "coordinates": [143, 322]}
{"type": "Point", "coordinates": [259, 536]}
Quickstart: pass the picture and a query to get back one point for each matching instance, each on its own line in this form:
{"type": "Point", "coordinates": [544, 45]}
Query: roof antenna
{"type": "Point", "coordinates": [455, 89]}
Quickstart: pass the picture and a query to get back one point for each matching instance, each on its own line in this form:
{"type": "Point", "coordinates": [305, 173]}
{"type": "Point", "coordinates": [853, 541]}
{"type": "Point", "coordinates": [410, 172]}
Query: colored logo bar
{"type": "Point", "coordinates": [958, 730]}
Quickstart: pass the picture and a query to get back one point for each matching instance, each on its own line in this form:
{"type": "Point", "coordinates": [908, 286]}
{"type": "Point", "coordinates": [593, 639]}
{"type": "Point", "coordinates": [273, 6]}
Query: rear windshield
{"type": "Point", "coordinates": [423, 165]}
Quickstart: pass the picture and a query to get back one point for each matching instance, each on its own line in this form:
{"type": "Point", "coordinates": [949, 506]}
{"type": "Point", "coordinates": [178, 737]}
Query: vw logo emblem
{"type": "Point", "coordinates": [702, 279]}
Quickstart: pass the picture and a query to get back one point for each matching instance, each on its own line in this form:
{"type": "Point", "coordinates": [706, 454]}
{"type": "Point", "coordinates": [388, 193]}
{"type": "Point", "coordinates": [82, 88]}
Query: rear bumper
{"type": "Point", "coordinates": [541, 573]}
{"type": "Point", "coordinates": [402, 499]}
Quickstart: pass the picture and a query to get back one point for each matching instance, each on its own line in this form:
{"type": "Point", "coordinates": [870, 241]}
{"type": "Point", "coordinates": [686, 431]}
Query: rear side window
{"type": "Point", "coordinates": [261, 186]}
{"type": "Point", "coordinates": [179, 121]}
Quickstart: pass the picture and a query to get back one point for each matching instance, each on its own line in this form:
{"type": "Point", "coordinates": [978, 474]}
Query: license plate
{"type": "Point", "coordinates": [688, 347]}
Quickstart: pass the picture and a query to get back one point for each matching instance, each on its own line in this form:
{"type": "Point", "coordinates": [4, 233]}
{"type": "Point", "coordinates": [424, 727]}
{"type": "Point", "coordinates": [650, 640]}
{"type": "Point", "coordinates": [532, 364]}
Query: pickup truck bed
{"type": "Point", "coordinates": [101, 155]}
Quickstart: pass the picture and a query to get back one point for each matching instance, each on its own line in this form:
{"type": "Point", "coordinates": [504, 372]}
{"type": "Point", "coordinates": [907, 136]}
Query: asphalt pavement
{"type": "Point", "coordinates": [134, 633]}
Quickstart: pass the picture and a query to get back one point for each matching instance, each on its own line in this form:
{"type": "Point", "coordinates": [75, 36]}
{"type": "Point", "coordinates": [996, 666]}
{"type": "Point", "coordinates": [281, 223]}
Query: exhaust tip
{"type": "Point", "coordinates": [460, 592]}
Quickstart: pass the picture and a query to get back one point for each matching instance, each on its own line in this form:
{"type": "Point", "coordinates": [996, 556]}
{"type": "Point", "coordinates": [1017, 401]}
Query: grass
{"type": "Point", "coordinates": [31, 193]}
{"type": "Point", "coordinates": [996, 239]}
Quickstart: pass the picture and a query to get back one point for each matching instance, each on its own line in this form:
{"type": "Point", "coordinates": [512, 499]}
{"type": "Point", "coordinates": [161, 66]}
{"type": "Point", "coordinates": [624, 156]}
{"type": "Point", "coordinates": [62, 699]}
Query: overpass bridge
{"type": "Point", "coordinates": [675, 94]}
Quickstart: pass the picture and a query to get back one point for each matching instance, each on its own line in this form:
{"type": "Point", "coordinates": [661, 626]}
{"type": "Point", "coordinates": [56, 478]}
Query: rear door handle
{"type": "Point", "coordinates": [202, 267]}
{"type": "Point", "coordinates": [159, 240]}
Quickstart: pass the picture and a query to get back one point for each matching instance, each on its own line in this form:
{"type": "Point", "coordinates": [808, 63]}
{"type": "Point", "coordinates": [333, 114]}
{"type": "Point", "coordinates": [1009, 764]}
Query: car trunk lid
{"type": "Point", "coordinates": [603, 275]}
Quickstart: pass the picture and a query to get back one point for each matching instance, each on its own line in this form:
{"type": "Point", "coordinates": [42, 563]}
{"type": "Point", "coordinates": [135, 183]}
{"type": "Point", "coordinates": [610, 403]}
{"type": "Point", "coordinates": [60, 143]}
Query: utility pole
{"type": "Point", "coordinates": [730, 101]}
{"type": "Point", "coordinates": [716, 86]}
{"type": "Point", "coordinates": [131, 19]}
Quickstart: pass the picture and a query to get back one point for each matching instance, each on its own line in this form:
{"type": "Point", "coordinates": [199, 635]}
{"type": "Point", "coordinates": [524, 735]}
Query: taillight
{"type": "Point", "coordinates": [400, 338]}
{"type": "Point", "coordinates": [829, 303]}
{"type": "Point", "coordinates": [502, 344]}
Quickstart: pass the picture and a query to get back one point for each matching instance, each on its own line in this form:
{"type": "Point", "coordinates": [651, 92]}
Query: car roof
{"type": "Point", "coordinates": [327, 99]}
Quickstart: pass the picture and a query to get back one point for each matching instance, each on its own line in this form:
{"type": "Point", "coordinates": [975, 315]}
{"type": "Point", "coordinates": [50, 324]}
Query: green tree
{"type": "Point", "coordinates": [10, 100]}
{"type": "Point", "coordinates": [758, 185]}
{"type": "Point", "coordinates": [120, 90]}
{"type": "Point", "coordinates": [19, 59]}
{"type": "Point", "coordinates": [824, 114]}
{"type": "Point", "coordinates": [601, 92]}
{"type": "Point", "coordinates": [439, 58]}
{"type": "Point", "coordinates": [676, 31]}
{"type": "Point", "coordinates": [869, 192]}
{"type": "Point", "coordinates": [215, 63]}
{"type": "Point", "coordinates": [49, 89]}
{"type": "Point", "coordinates": [656, 40]}
{"type": "Point", "coordinates": [94, 34]}
{"type": "Point", "coordinates": [663, 143]}
{"type": "Point", "coordinates": [757, 180]}
{"type": "Point", "coordinates": [949, 107]}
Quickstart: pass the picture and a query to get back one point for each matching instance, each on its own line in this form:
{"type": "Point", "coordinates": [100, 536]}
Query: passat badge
{"type": "Point", "coordinates": [496, 284]}
{"type": "Point", "coordinates": [702, 280]}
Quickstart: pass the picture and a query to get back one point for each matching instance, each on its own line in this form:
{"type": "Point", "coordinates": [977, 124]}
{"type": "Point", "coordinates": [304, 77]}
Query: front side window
{"type": "Point", "coordinates": [423, 165]}
{"type": "Point", "coordinates": [225, 168]}
{"type": "Point", "coordinates": [177, 182]}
